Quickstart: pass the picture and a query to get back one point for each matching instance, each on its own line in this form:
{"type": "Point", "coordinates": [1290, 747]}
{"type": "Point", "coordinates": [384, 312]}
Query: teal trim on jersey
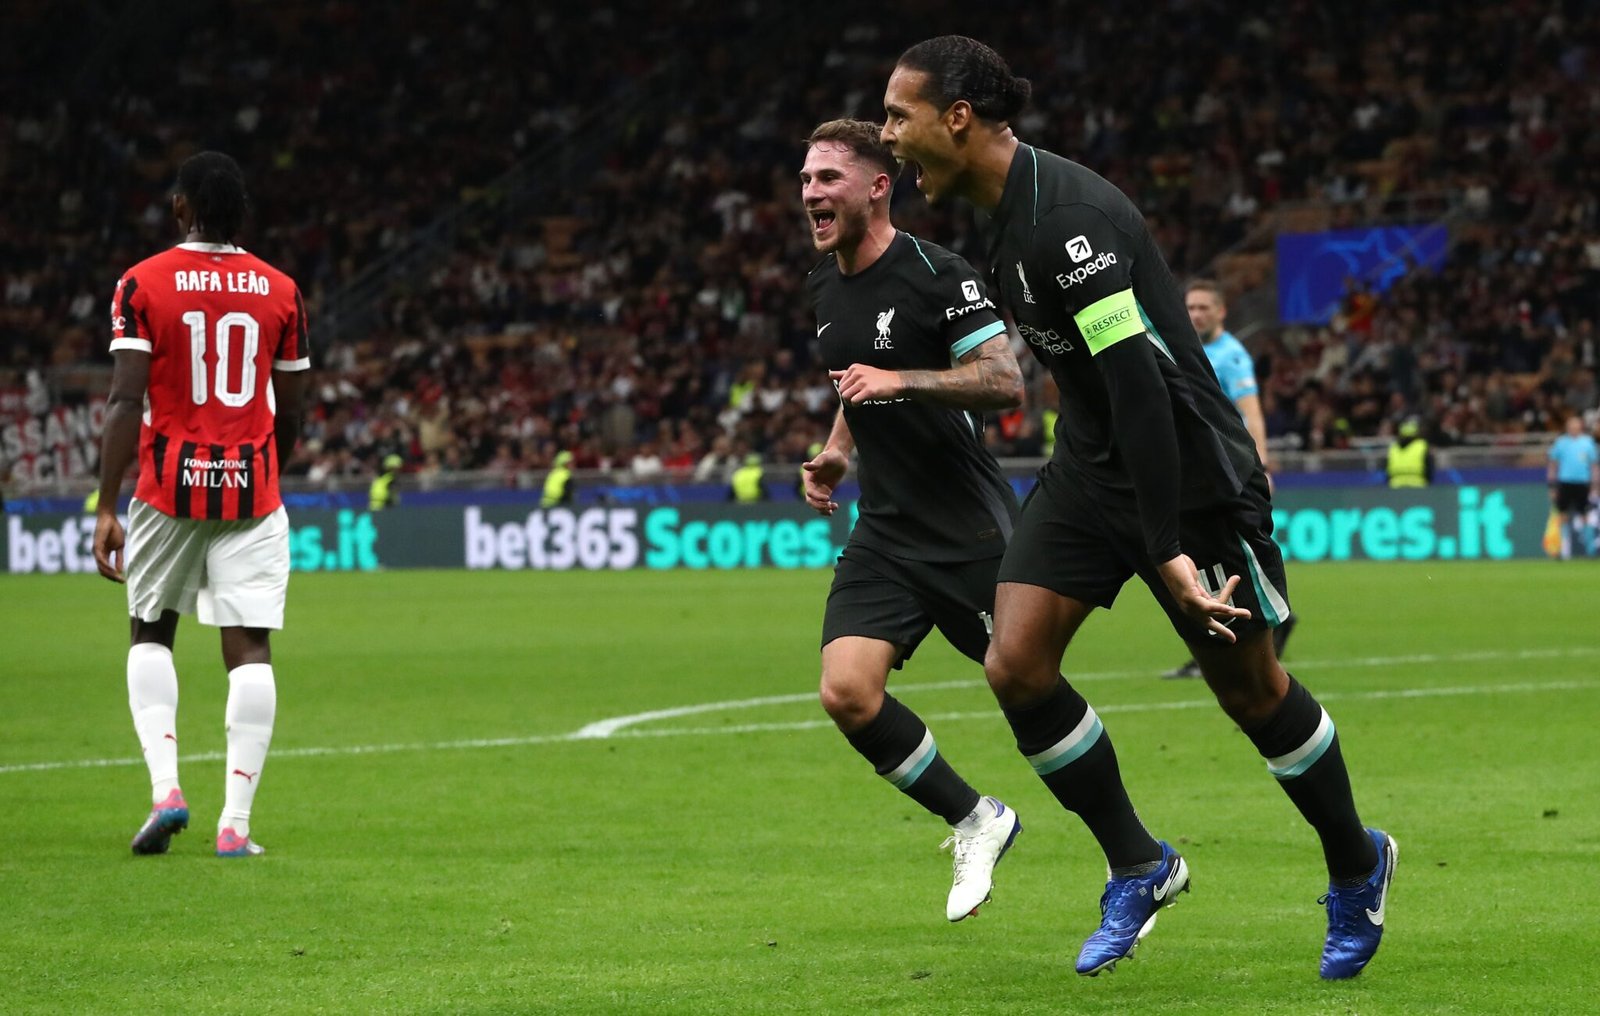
{"type": "Point", "coordinates": [1273, 605]}
{"type": "Point", "coordinates": [925, 260]}
{"type": "Point", "coordinates": [1070, 748]}
{"type": "Point", "coordinates": [1035, 154]}
{"type": "Point", "coordinates": [977, 338]}
{"type": "Point", "coordinates": [1155, 336]}
{"type": "Point", "coordinates": [1287, 767]}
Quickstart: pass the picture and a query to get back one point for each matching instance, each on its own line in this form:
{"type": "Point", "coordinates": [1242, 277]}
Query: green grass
{"type": "Point", "coordinates": [731, 870]}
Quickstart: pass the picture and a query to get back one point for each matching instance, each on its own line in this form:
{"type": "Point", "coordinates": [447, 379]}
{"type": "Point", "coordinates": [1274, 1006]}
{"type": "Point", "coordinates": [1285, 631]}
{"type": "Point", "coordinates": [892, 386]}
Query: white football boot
{"type": "Point", "coordinates": [976, 854]}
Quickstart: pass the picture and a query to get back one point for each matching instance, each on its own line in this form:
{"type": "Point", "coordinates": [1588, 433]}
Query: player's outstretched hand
{"type": "Point", "coordinates": [861, 383]}
{"type": "Point", "coordinates": [1183, 582]}
{"type": "Point", "coordinates": [108, 541]}
{"type": "Point", "coordinates": [821, 475]}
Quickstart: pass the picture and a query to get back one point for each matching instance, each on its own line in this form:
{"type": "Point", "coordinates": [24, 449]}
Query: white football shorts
{"type": "Point", "coordinates": [228, 573]}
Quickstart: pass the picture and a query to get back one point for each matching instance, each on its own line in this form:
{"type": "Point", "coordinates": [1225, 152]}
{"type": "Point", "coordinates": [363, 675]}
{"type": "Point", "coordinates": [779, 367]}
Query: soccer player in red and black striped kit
{"type": "Point", "coordinates": [210, 369]}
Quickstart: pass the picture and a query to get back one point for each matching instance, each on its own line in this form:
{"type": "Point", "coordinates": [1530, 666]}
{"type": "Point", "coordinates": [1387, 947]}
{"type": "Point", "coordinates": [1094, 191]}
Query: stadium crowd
{"type": "Point", "coordinates": [654, 319]}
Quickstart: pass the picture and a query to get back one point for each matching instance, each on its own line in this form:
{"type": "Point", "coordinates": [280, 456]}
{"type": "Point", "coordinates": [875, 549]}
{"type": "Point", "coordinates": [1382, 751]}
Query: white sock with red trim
{"type": "Point", "coordinates": [153, 700]}
{"type": "Point", "coordinates": [252, 704]}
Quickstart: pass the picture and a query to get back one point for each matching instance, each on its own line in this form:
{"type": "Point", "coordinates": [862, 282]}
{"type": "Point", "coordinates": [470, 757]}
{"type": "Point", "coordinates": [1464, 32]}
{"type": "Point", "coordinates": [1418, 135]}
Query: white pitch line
{"type": "Point", "coordinates": [1136, 707]}
{"type": "Point", "coordinates": [606, 728]}
{"type": "Point", "coordinates": [310, 752]}
{"type": "Point", "coordinates": [620, 726]}
{"type": "Point", "coordinates": [616, 724]}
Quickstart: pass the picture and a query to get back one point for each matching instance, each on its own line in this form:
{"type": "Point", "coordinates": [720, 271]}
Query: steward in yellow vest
{"type": "Point", "coordinates": [746, 485]}
{"type": "Point", "coordinates": [1410, 464]}
{"type": "Point", "coordinates": [558, 485]}
{"type": "Point", "coordinates": [381, 494]}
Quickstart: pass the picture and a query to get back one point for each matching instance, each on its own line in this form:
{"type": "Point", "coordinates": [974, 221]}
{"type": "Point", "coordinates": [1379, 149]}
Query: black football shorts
{"type": "Point", "coordinates": [898, 600]}
{"type": "Point", "coordinates": [1572, 498]}
{"type": "Point", "coordinates": [1085, 543]}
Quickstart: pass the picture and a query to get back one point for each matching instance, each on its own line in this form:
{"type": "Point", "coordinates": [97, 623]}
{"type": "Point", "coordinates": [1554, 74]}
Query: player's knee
{"type": "Point", "coordinates": [1247, 691]}
{"type": "Point", "coordinates": [850, 704]}
{"type": "Point", "coordinates": [1015, 675]}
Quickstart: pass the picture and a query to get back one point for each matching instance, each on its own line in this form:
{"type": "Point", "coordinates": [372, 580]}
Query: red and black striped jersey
{"type": "Point", "coordinates": [216, 321]}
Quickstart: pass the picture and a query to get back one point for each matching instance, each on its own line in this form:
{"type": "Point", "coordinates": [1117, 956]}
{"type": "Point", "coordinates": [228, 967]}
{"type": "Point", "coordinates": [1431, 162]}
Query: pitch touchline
{"type": "Point", "coordinates": [616, 724]}
{"type": "Point", "coordinates": [743, 728]}
{"type": "Point", "coordinates": [1139, 707]}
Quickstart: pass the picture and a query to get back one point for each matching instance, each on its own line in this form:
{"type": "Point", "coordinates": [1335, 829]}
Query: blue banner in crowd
{"type": "Point", "coordinates": [1314, 268]}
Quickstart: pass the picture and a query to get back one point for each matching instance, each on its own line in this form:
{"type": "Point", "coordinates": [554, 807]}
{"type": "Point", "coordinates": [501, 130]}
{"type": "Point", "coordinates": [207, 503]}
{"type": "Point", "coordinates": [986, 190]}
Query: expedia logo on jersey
{"type": "Point", "coordinates": [975, 301]}
{"type": "Point", "coordinates": [1049, 340]}
{"type": "Point", "coordinates": [1105, 259]}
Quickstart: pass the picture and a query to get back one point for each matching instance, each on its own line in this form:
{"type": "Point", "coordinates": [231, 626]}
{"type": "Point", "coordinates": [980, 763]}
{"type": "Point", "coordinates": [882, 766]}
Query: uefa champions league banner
{"type": "Point", "coordinates": [1322, 524]}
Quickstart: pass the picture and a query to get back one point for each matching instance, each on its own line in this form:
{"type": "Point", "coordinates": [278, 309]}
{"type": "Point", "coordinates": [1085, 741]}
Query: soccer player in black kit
{"type": "Point", "coordinates": [913, 344]}
{"type": "Point", "coordinates": [1153, 475]}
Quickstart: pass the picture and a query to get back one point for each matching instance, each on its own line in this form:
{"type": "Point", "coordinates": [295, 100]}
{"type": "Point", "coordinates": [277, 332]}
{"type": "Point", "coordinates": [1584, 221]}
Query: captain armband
{"type": "Point", "coordinates": [1108, 321]}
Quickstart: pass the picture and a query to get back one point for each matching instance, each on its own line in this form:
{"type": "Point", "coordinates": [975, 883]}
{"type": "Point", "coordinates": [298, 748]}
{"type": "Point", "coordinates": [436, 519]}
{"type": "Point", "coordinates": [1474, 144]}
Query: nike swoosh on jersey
{"type": "Point", "coordinates": [823, 329]}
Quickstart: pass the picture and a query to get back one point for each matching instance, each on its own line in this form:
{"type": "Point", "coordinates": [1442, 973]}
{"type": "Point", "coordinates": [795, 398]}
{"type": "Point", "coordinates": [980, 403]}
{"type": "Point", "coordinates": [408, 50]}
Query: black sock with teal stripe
{"type": "Point", "coordinates": [902, 750]}
{"type": "Point", "coordinates": [1064, 741]}
{"type": "Point", "coordinates": [1302, 750]}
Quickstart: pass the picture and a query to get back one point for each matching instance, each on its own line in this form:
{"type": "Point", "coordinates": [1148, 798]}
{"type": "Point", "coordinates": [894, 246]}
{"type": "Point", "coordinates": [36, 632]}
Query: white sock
{"type": "Point", "coordinates": [978, 816]}
{"type": "Point", "coordinates": [153, 700]}
{"type": "Point", "coordinates": [252, 703]}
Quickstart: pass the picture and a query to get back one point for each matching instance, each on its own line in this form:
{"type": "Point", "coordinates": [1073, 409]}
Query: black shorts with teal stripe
{"type": "Point", "coordinates": [899, 600]}
{"type": "Point", "coordinates": [1083, 542]}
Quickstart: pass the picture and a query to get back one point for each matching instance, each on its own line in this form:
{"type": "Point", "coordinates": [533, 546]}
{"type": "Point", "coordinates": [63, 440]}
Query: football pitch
{"type": "Point", "coordinates": [518, 792]}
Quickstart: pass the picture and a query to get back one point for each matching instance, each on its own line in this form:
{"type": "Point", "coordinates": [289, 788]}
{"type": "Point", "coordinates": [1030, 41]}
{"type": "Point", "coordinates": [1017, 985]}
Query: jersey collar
{"type": "Point", "coordinates": [211, 248]}
{"type": "Point", "coordinates": [1021, 192]}
{"type": "Point", "coordinates": [1022, 185]}
{"type": "Point", "coordinates": [890, 253]}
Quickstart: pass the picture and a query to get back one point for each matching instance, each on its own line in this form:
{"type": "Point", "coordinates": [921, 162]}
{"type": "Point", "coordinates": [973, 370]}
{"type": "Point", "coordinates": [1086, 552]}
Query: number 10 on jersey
{"type": "Point", "coordinates": [228, 325]}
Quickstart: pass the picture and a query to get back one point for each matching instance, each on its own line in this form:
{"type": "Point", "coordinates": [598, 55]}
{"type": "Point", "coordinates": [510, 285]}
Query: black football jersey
{"type": "Point", "coordinates": [1074, 263]}
{"type": "Point", "coordinates": [930, 490]}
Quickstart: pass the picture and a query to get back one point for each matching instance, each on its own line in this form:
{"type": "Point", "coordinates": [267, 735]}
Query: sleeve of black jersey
{"type": "Point", "coordinates": [1091, 264]}
{"type": "Point", "coordinates": [964, 306]}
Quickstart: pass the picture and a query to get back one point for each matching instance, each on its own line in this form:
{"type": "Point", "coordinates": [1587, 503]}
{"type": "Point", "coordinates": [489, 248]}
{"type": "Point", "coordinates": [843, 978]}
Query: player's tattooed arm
{"type": "Point", "coordinates": [987, 377]}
